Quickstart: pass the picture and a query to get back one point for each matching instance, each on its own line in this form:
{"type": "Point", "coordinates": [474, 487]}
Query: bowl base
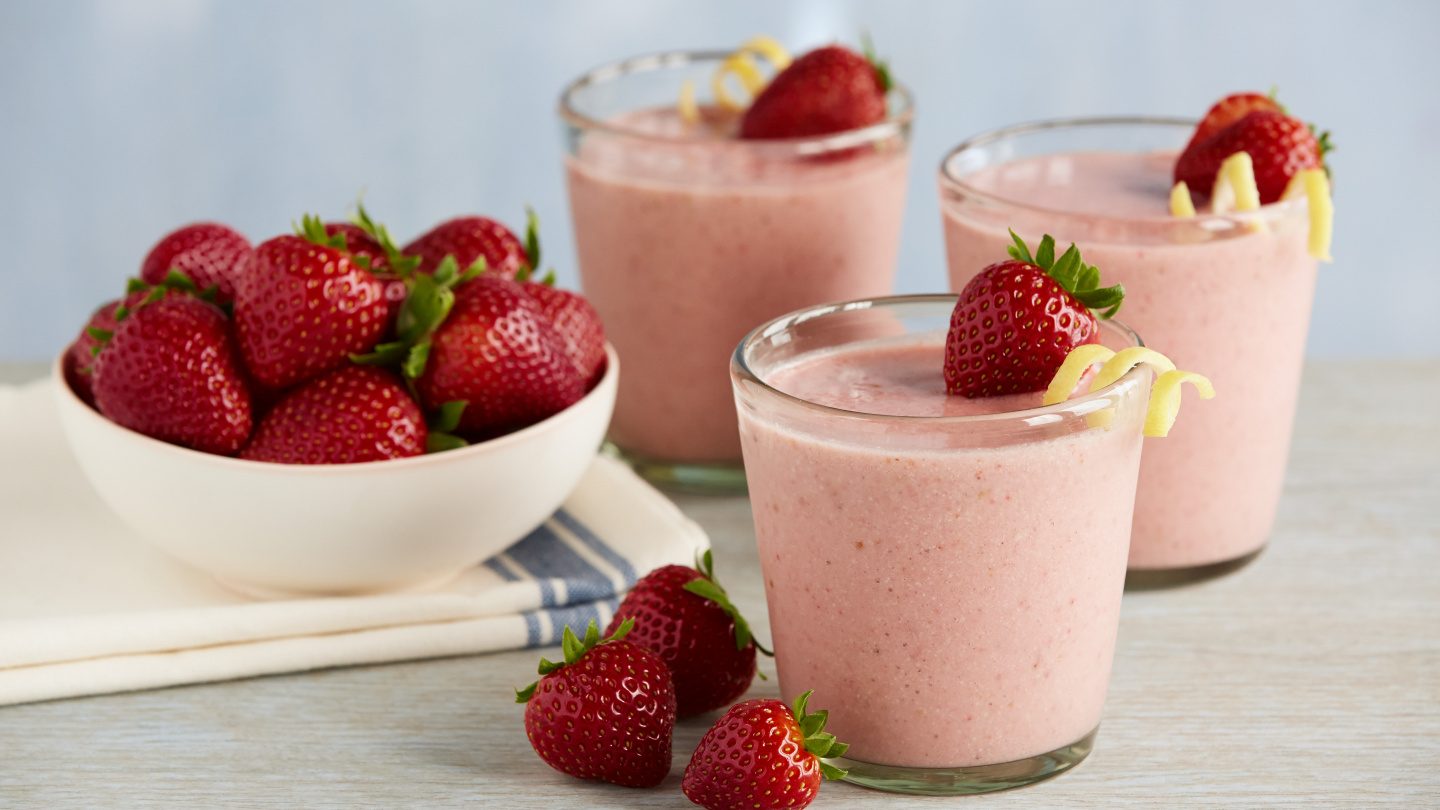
{"type": "Point", "coordinates": [266, 593]}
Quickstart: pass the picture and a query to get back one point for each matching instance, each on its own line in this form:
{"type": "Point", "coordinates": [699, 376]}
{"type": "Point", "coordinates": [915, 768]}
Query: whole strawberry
{"type": "Point", "coordinates": [349, 415]}
{"type": "Point", "coordinates": [830, 89]}
{"type": "Point", "coordinates": [577, 323]}
{"type": "Point", "coordinates": [82, 355]}
{"type": "Point", "coordinates": [607, 712]}
{"type": "Point", "coordinates": [171, 371]}
{"type": "Point", "coordinates": [1279, 146]}
{"type": "Point", "coordinates": [303, 308]}
{"type": "Point", "coordinates": [762, 755]}
{"type": "Point", "coordinates": [366, 251]}
{"type": "Point", "coordinates": [1017, 320]}
{"type": "Point", "coordinates": [207, 252]}
{"type": "Point", "coordinates": [684, 616]}
{"type": "Point", "coordinates": [496, 351]}
{"type": "Point", "coordinates": [469, 238]}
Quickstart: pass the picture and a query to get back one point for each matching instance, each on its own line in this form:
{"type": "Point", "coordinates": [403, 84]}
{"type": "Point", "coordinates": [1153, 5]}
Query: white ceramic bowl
{"type": "Point", "coordinates": [275, 529]}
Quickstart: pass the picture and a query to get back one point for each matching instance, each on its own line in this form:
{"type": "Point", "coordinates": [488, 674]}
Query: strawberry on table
{"type": "Point", "coordinates": [496, 350]}
{"type": "Point", "coordinates": [303, 308]}
{"type": "Point", "coordinates": [171, 371]}
{"type": "Point", "coordinates": [349, 415]}
{"type": "Point", "coordinates": [761, 755]}
{"type": "Point", "coordinates": [1017, 320]}
{"type": "Point", "coordinates": [207, 252]}
{"type": "Point", "coordinates": [684, 616]}
{"type": "Point", "coordinates": [1279, 145]}
{"type": "Point", "coordinates": [606, 712]}
{"type": "Point", "coordinates": [830, 89]}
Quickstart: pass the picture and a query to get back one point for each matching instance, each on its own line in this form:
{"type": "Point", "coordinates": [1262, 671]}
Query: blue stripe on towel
{"type": "Point", "coordinates": [532, 629]}
{"type": "Point", "coordinates": [576, 617]}
{"type": "Point", "coordinates": [594, 543]}
{"type": "Point", "coordinates": [547, 558]}
{"type": "Point", "coordinates": [500, 568]}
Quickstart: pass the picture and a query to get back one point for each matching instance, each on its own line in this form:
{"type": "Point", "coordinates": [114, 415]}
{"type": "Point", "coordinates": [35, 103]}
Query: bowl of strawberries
{"type": "Point", "coordinates": [328, 413]}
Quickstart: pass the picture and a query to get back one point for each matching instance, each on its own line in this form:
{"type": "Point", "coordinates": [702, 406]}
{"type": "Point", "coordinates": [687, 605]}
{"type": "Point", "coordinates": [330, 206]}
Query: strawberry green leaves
{"type": "Point", "coordinates": [574, 649]}
{"type": "Point", "coordinates": [426, 307]}
{"type": "Point", "coordinates": [441, 435]}
{"type": "Point", "coordinates": [706, 587]}
{"type": "Point", "coordinates": [882, 68]}
{"type": "Point", "coordinates": [818, 741]}
{"type": "Point", "coordinates": [1071, 272]}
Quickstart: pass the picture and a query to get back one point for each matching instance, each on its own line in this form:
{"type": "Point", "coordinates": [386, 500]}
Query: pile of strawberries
{"type": "Point", "coordinates": [333, 346]}
{"type": "Point", "coordinates": [677, 647]}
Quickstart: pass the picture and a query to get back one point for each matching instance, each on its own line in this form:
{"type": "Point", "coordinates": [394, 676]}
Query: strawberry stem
{"type": "Point", "coordinates": [818, 741]}
{"type": "Point", "coordinates": [882, 68]}
{"type": "Point", "coordinates": [574, 649]}
{"type": "Point", "coordinates": [1072, 273]}
{"type": "Point", "coordinates": [706, 587]}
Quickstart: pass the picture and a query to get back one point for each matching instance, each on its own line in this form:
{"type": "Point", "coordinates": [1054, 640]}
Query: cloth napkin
{"type": "Point", "coordinates": [87, 607]}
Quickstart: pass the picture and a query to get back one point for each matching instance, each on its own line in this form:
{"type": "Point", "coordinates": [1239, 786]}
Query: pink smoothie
{"type": "Point", "coordinates": [690, 238]}
{"type": "Point", "coordinates": [1232, 304]}
{"type": "Point", "coordinates": [951, 605]}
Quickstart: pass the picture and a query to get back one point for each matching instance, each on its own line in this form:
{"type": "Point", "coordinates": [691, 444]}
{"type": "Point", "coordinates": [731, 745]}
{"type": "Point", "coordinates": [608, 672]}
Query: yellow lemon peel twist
{"type": "Point", "coordinates": [1315, 185]}
{"type": "Point", "coordinates": [1235, 187]}
{"type": "Point", "coordinates": [742, 65]}
{"type": "Point", "coordinates": [1164, 404]}
{"type": "Point", "coordinates": [1181, 204]}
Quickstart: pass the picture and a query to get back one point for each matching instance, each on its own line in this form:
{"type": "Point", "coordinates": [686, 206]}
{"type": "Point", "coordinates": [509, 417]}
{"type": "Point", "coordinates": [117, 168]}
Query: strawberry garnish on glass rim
{"type": "Point", "coordinates": [1016, 320]}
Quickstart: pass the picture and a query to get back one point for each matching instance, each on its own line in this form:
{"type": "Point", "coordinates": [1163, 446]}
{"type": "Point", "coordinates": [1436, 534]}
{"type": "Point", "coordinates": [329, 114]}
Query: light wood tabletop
{"type": "Point", "coordinates": [1311, 677]}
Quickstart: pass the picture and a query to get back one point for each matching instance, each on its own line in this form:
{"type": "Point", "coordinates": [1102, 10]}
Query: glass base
{"type": "Point", "coordinates": [969, 780]}
{"type": "Point", "coordinates": [1157, 579]}
{"type": "Point", "coordinates": [721, 478]}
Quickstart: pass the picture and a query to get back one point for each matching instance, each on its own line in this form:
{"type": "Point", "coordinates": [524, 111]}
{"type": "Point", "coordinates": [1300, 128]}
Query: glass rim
{"type": "Point", "coordinates": [894, 125]}
{"type": "Point", "coordinates": [1031, 417]}
{"type": "Point", "coordinates": [949, 180]}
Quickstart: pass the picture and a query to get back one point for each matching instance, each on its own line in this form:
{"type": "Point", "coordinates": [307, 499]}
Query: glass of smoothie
{"type": "Point", "coordinates": [687, 236]}
{"type": "Point", "coordinates": [1227, 293]}
{"type": "Point", "coordinates": [944, 572]}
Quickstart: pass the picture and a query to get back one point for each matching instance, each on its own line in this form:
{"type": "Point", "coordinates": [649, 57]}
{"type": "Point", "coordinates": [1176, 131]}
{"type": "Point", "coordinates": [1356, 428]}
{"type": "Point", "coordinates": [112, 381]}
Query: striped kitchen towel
{"type": "Point", "coordinates": [87, 608]}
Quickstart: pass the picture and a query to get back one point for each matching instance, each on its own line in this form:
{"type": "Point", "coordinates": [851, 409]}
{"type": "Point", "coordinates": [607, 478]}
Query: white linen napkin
{"type": "Point", "coordinates": [86, 607]}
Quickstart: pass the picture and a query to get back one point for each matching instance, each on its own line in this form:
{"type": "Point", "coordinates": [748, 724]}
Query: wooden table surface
{"type": "Point", "coordinates": [1311, 677]}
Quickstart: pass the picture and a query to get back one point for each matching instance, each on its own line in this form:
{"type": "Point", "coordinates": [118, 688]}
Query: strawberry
{"type": "Point", "coordinates": [684, 616]}
{"type": "Point", "coordinates": [830, 89]}
{"type": "Point", "coordinates": [207, 252]}
{"type": "Point", "coordinates": [1279, 145]}
{"type": "Point", "coordinates": [577, 322]}
{"type": "Point", "coordinates": [371, 254]}
{"type": "Point", "coordinates": [1228, 110]}
{"type": "Point", "coordinates": [762, 755]}
{"type": "Point", "coordinates": [606, 713]}
{"type": "Point", "coordinates": [303, 308]}
{"type": "Point", "coordinates": [349, 415]}
{"type": "Point", "coordinates": [83, 353]}
{"type": "Point", "coordinates": [469, 238]}
{"type": "Point", "coordinates": [1017, 320]}
{"type": "Point", "coordinates": [171, 371]}
{"type": "Point", "coordinates": [496, 351]}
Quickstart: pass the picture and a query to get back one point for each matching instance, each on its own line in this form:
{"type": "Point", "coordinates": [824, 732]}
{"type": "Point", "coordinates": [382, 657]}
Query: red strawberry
{"type": "Point", "coordinates": [469, 238]}
{"type": "Point", "coordinates": [1017, 320]}
{"type": "Point", "coordinates": [606, 713]}
{"type": "Point", "coordinates": [351, 414]}
{"type": "Point", "coordinates": [207, 252]}
{"type": "Point", "coordinates": [171, 372]}
{"type": "Point", "coordinates": [497, 352]}
{"type": "Point", "coordinates": [578, 324]}
{"type": "Point", "coordinates": [302, 309]}
{"type": "Point", "coordinates": [761, 755]}
{"type": "Point", "coordinates": [1230, 109]}
{"type": "Point", "coordinates": [82, 354]}
{"type": "Point", "coordinates": [830, 89]}
{"type": "Point", "coordinates": [683, 615]}
{"type": "Point", "coordinates": [371, 255]}
{"type": "Point", "coordinates": [1279, 146]}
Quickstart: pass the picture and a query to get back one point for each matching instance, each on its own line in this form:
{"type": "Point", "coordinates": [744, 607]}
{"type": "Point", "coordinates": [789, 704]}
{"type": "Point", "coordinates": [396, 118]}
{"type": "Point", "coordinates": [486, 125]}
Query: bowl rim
{"type": "Point", "coordinates": [607, 380]}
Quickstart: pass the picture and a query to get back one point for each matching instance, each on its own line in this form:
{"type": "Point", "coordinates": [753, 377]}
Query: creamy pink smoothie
{"type": "Point", "coordinates": [950, 605]}
{"type": "Point", "coordinates": [1233, 304]}
{"type": "Point", "coordinates": [688, 238]}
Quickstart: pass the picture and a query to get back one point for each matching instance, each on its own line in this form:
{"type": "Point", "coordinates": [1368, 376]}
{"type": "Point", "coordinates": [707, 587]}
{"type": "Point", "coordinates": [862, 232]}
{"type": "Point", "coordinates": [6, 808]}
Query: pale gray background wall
{"type": "Point", "coordinates": [120, 120]}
